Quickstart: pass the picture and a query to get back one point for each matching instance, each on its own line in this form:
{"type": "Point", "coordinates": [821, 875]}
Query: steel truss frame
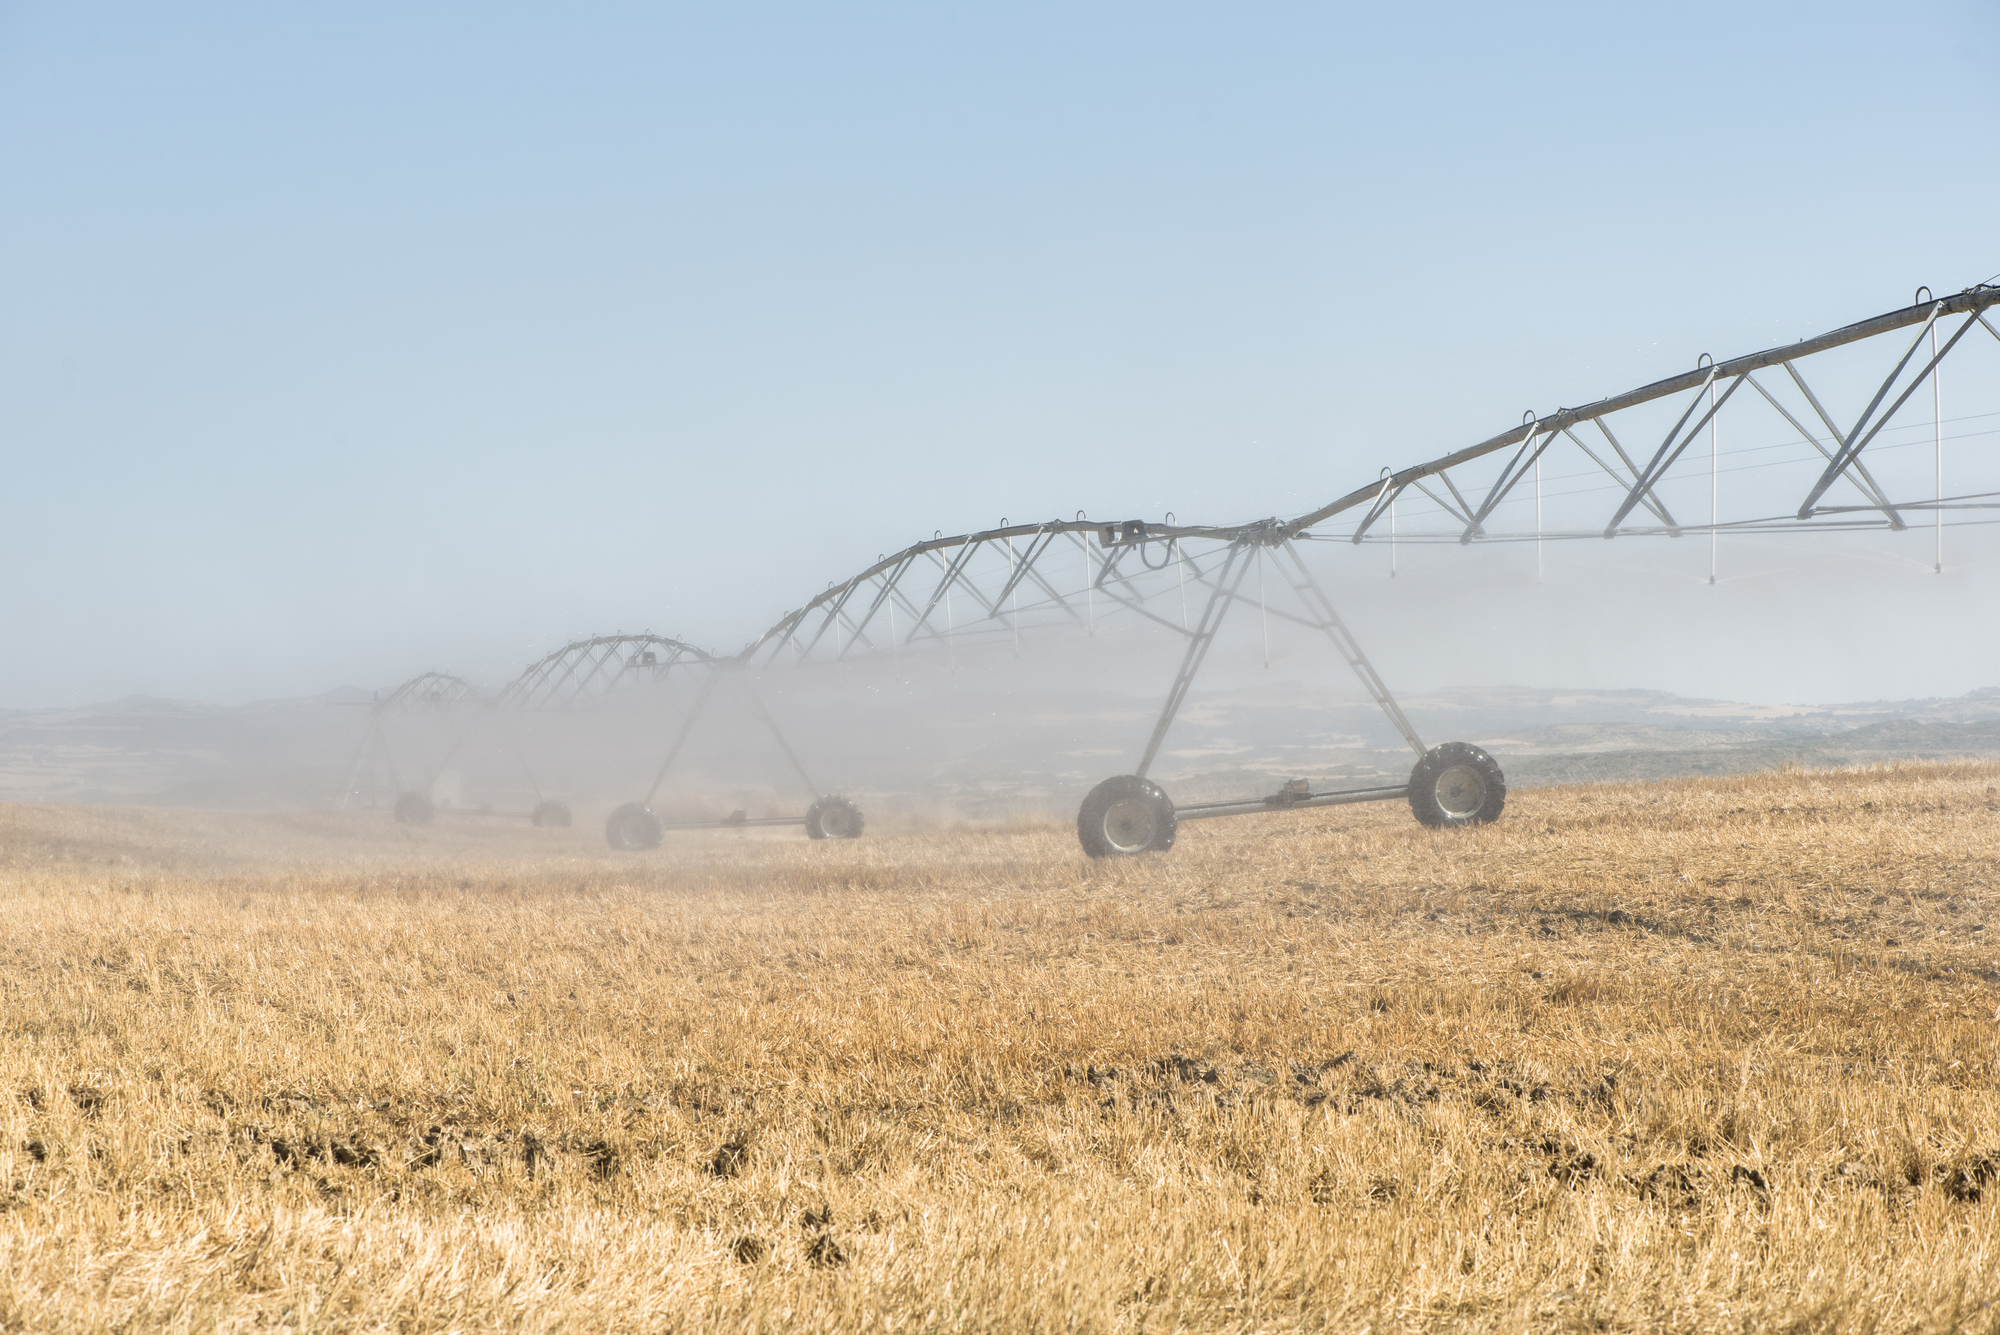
{"type": "Point", "coordinates": [597, 667]}
{"type": "Point", "coordinates": [1225, 592]}
{"type": "Point", "coordinates": [585, 669]}
{"type": "Point", "coordinates": [440, 694]}
{"type": "Point", "coordinates": [578, 673]}
{"type": "Point", "coordinates": [755, 705]}
{"type": "Point", "coordinates": [1708, 390]}
{"type": "Point", "coordinates": [427, 692]}
{"type": "Point", "coordinates": [1074, 573]}
{"type": "Point", "coordinates": [998, 584]}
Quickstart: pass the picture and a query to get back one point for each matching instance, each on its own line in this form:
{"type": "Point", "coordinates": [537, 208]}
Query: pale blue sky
{"type": "Point", "coordinates": [342, 341]}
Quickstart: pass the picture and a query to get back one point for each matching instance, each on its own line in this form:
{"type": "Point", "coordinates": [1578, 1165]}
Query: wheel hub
{"type": "Point", "coordinates": [1461, 791]}
{"type": "Point", "coordinates": [1128, 825]}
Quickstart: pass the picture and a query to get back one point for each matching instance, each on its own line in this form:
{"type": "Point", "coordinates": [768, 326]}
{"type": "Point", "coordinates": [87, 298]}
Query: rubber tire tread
{"type": "Point", "coordinates": [414, 809]}
{"type": "Point", "coordinates": [551, 815]}
{"type": "Point", "coordinates": [1423, 791]}
{"type": "Point", "coordinates": [816, 818]}
{"type": "Point", "coordinates": [1090, 816]}
{"type": "Point", "coordinates": [633, 827]}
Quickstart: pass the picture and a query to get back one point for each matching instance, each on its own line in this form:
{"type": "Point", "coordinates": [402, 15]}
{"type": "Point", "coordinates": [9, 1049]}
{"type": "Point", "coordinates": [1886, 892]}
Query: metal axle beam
{"type": "Point", "coordinates": [1252, 806]}
{"type": "Point", "coordinates": [731, 822]}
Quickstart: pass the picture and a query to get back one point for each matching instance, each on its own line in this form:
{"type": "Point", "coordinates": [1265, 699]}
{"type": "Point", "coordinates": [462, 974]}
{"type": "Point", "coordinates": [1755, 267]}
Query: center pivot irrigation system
{"type": "Point", "coordinates": [636, 825]}
{"type": "Point", "coordinates": [1649, 462]}
{"type": "Point", "coordinates": [570, 678]}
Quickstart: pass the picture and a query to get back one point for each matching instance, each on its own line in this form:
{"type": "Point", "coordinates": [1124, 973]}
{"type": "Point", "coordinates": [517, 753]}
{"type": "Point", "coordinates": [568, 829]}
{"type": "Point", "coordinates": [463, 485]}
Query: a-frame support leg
{"type": "Point", "coordinates": [757, 708]}
{"type": "Point", "coordinates": [687, 729]}
{"type": "Point", "coordinates": [374, 754]}
{"type": "Point", "coordinates": [1321, 607]}
{"type": "Point", "coordinates": [1235, 566]}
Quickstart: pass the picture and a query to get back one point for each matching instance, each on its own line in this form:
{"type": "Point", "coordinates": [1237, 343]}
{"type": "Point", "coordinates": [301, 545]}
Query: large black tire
{"type": "Point", "coordinates": [833, 818]}
{"type": "Point", "coordinates": [550, 814]}
{"type": "Point", "coordinates": [1124, 816]}
{"type": "Point", "coordinates": [414, 809]}
{"type": "Point", "coordinates": [633, 827]}
{"type": "Point", "coordinates": [1457, 784]}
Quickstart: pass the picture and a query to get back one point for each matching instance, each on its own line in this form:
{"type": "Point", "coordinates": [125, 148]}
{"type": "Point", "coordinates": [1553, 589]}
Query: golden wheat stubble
{"type": "Point", "coordinates": [1673, 1055]}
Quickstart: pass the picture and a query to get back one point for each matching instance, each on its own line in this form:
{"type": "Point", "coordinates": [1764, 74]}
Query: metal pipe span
{"type": "Point", "coordinates": [1972, 300]}
{"type": "Point", "coordinates": [1250, 806]}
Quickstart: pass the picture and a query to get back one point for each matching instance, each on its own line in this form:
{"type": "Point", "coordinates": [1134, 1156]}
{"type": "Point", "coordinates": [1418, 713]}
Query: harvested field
{"type": "Point", "coordinates": [1688, 1055]}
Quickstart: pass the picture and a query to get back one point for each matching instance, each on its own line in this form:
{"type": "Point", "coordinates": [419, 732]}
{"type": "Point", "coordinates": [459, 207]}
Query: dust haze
{"type": "Point", "coordinates": [1568, 668]}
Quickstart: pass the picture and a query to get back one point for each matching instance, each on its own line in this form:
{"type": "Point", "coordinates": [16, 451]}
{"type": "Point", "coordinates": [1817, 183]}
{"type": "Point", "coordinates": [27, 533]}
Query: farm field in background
{"type": "Point", "coordinates": [1685, 1055]}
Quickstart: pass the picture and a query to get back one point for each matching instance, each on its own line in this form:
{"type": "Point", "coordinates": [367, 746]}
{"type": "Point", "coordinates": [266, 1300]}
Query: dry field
{"type": "Point", "coordinates": [1678, 1056]}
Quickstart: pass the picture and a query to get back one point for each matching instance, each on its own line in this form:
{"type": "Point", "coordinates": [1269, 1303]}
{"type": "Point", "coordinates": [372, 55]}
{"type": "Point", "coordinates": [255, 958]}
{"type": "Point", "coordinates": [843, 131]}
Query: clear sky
{"type": "Point", "coordinates": [338, 342]}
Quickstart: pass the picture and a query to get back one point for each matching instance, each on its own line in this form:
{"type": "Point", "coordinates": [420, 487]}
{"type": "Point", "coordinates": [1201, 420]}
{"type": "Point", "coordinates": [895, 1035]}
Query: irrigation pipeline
{"type": "Point", "coordinates": [1529, 441]}
{"type": "Point", "coordinates": [1012, 573]}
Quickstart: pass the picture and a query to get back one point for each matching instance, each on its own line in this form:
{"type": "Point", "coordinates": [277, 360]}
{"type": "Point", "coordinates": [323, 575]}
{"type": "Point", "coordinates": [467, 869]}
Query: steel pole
{"type": "Point", "coordinates": [757, 706]}
{"type": "Point", "coordinates": [1227, 581]}
{"type": "Point", "coordinates": [701, 703]}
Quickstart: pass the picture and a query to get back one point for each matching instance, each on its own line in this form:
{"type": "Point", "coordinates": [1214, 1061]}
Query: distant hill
{"type": "Point", "coordinates": [274, 753]}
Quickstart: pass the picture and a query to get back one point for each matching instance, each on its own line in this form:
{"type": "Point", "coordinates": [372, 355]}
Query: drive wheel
{"type": "Point", "coordinates": [833, 818]}
{"type": "Point", "coordinates": [551, 814]}
{"type": "Point", "coordinates": [1124, 816]}
{"type": "Point", "coordinates": [632, 827]}
{"type": "Point", "coordinates": [414, 809]}
{"type": "Point", "coordinates": [1457, 784]}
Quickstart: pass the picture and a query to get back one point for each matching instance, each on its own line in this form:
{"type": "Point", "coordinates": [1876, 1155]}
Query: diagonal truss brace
{"type": "Point", "coordinates": [1851, 448]}
{"type": "Point", "coordinates": [1022, 565]}
{"type": "Point", "coordinates": [1651, 500]}
{"type": "Point", "coordinates": [1669, 451]}
{"type": "Point", "coordinates": [374, 748]}
{"type": "Point", "coordinates": [1024, 568]}
{"type": "Point", "coordinates": [888, 579]}
{"type": "Point", "coordinates": [1858, 473]}
{"type": "Point", "coordinates": [1235, 566]}
{"type": "Point", "coordinates": [1223, 590]}
{"type": "Point", "coordinates": [777, 735]}
{"type": "Point", "coordinates": [1133, 599]}
{"type": "Point", "coordinates": [833, 614]}
{"type": "Point", "coordinates": [951, 576]}
{"type": "Point", "coordinates": [1314, 597]}
{"type": "Point", "coordinates": [1516, 469]}
{"type": "Point", "coordinates": [680, 739]}
{"type": "Point", "coordinates": [700, 707]}
{"type": "Point", "coordinates": [1384, 498]}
